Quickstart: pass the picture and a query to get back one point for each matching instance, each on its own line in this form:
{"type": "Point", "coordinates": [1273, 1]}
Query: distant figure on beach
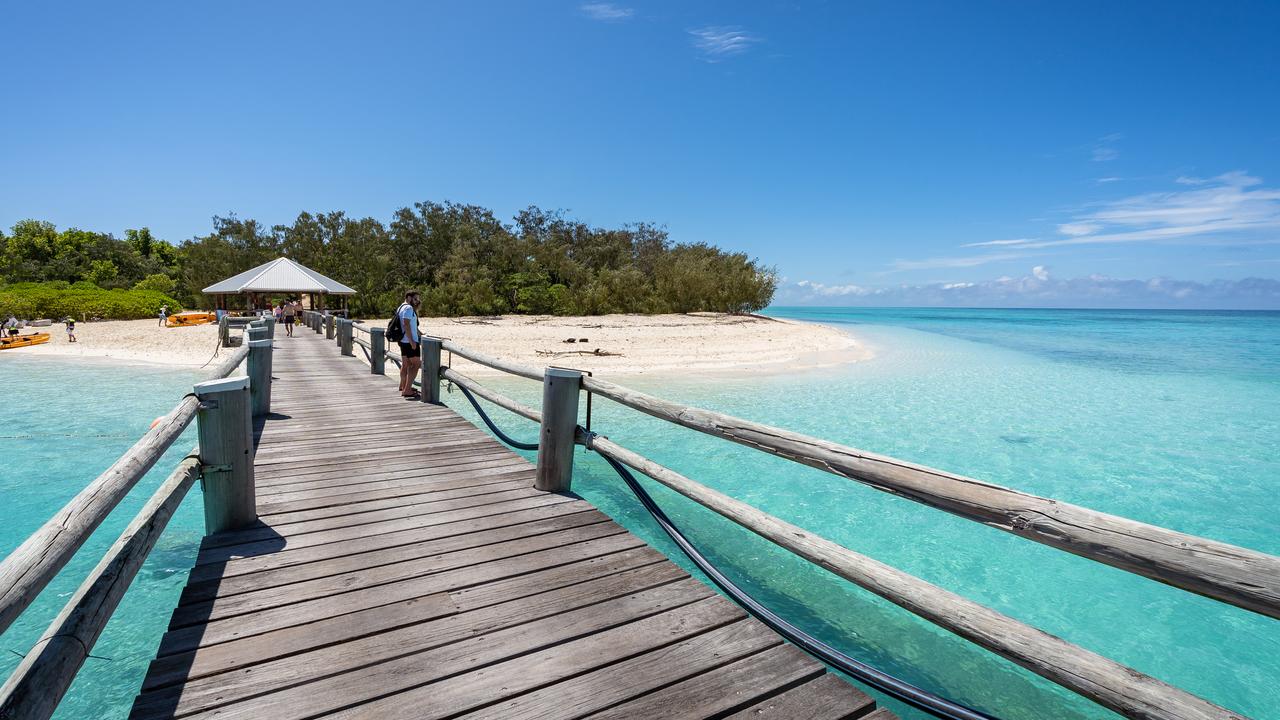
{"type": "Point", "coordinates": [164, 313]}
{"type": "Point", "coordinates": [11, 326]}
{"type": "Point", "coordinates": [71, 329]}
{"type": "Point", "coordinates": [287, 316]}
{"type": "Point", "coordinates": [408, 339]}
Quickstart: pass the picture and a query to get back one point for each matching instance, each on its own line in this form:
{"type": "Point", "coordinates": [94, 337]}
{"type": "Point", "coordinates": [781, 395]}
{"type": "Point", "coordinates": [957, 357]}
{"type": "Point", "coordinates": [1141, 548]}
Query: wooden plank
{"type": "Point", "coordinates": [300, 613]}
{"type": "Point", "coordinates": [541, 591]}
{"type": "Point", "coordinates": [604, 633]}
{"type": "Point", "coordinates": [418, 529]}
{"type": "Point", "coordinates": [824, 698]}
{"type": "Point", "coordinates": [723, 689]}
{"type": "Point", "coordinates": [458, 635]}
{"type": "Point", "coordinates": [609, 686]}
{"type": "Point", "coordinates": [329, 578]}
{"type": "Point", "coordinates": [343, 561]}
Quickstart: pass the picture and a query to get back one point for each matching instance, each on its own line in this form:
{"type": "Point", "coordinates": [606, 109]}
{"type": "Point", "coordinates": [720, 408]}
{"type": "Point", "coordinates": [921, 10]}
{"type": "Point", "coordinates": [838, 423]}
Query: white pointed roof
{"type": "Point", "coordinates": [279, 275]}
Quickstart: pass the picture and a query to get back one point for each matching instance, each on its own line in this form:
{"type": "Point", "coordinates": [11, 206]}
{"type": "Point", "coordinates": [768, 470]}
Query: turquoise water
{"type": "Point", "coordinates": [90, 413]}
{"type": "Point", "coordinates": [1169, 418]}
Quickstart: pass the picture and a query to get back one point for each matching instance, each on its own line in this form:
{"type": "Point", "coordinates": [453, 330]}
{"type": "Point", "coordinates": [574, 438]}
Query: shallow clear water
{"type": "Point", "coordinates": [83, 416]}
{"type": "Point", "coordinates": [1169, 418]}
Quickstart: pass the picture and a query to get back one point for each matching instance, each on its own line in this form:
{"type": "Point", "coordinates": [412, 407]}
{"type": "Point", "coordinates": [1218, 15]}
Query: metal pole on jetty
{"type": "Point", "coordinates": [259, 371]}
{"type": "Point", "coordinates": [556, 436]}
{"type": "Point", "coordinates": [225, 425]}
{"type": "Point", "coordinates": [431, 348]}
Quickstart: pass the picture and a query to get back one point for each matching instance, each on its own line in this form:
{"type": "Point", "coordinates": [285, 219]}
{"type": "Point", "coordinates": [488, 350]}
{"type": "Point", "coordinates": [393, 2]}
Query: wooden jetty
{"type": "Point", "coordinates": [373, 557]}
{"type": "Point", "coordinates": [404, 566]}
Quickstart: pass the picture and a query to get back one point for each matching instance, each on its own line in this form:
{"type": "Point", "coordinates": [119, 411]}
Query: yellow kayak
{"type": "Point", "coordinates": [23, 340]}
{"type": "Point", "coordinates": [191, 318]}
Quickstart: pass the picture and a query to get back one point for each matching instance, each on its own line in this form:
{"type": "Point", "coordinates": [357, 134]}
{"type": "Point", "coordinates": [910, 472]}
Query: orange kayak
{"type": "Point", "coordinates": [23, 340]}
{"type": "Point", "coordinates": [190, 318]}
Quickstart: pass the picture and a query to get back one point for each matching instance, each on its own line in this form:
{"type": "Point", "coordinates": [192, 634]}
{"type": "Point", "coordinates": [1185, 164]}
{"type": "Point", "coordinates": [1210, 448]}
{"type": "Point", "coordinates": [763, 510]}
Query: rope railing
{"type": "Point", "coordinates": [35, 688]}
{"type": "Point", "coordinates": [26, 571]}
{"type": "Point", "coordinates": [1230, 574]}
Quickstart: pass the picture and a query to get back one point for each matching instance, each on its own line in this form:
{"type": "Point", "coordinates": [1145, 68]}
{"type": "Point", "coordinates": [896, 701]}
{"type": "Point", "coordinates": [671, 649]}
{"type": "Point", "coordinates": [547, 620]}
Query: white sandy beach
{"type": "Point", "coordinates": [627, 344]}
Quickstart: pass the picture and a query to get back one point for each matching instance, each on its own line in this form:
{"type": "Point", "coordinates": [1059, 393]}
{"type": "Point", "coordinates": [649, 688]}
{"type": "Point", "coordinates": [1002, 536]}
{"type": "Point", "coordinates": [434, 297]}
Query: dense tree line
{"type": "Point", "coordinates": [464, 260]}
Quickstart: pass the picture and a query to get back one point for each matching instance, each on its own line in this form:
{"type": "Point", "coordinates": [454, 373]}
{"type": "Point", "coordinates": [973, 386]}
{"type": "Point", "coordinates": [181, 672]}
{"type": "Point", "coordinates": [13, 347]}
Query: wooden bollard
{"type": "Point", "coordinates": [271, 326]}
{"type": "Point", "coordinates": [225, 427]}
{"type": "Point", "coordinates": [559, 422]}
{"type": "Point", "coordinates": [346, 337]}
{"type": "Point", "coordinates": [328, 327]}
{"type": "Point", "coordinates": [318, 323]}
{"type": "Point", "coordinates": [378, 353]}
{"type": "Point", "coordinates": [224, 330]}
{"type": "Point", "coordinates": [259, 369]}
{"type": "Point", "coordinates": [430, 379]}
{"type": "Point", "coordinates": [257, 330]}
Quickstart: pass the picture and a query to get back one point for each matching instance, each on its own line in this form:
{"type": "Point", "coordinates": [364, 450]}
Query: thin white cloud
{"type": "Point", "coordinates": [1224, 210]}
{"type": "Point", "coordinates": [606, 12]}
{"type": "Point", "coordinates": [1104, 149]}
{"type": "Point", "coordinates": [718, 42]}
{"type": "Point", "coordinates": [963, 261]}
{"type": "Point", "coordinates": [1040, 289]}
{"type": "Point", "coordinates": [997, 243]}
{"type": "Point", "coordinates": [1105, 180]}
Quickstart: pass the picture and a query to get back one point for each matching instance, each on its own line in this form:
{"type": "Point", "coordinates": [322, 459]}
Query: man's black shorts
{"type": "Point", "coordinates": [409, 351]}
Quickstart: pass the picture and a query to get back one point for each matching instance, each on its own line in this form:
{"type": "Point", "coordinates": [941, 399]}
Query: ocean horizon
{"type": "Point", "coordinates": [1164, 416]}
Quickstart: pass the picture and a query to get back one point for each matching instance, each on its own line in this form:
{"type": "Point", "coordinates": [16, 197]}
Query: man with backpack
{"type": "Point", "coordinates": [403, 329]}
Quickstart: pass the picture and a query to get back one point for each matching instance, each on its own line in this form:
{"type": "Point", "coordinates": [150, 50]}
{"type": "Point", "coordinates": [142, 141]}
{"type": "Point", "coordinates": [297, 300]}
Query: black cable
{"type": "Point", "coordinates": [501, 435]}
{"type": "Point", "coordinates": [918, 698]}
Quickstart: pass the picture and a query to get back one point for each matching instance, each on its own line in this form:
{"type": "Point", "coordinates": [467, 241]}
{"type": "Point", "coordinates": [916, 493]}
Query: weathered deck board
{"type": "Point", "coordinates": [404, 566]}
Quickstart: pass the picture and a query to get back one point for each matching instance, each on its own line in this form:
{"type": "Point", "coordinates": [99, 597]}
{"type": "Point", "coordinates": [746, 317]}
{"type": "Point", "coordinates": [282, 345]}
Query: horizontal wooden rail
{"type": "Point", "coordinates": [1235, 575]}
{"type": "Point", "coordinates": [497, 364]}
{"type": "Point", "coordinates": [498, 399]}
{"type": "Point", "coordinates": [30, 567]}
{"type": "Point", "coordinates": [1093, 676]}
{"type": "Point", "coordinates": [34, 689]}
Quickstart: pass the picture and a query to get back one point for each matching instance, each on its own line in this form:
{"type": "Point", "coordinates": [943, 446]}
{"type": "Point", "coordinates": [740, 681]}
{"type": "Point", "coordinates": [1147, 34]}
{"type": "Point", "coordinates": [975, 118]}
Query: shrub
{"type": "Point", "coordinates": [32, 300]}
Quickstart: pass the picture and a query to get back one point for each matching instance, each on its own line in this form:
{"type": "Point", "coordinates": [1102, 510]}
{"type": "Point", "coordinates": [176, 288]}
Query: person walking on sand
{"type": "Point", "coordinates": [410, 349]}
{"type": "Point", "coordinates": [287, 314]}
{"type": "Point", "coordinates": [71, 329]}
{"type": "Point", "coordinates": [164, 313]}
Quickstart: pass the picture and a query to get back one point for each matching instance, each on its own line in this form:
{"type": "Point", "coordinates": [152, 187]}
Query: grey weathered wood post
{"type": "Point", "coordinates": [318, 324]}
{"type": "Point", "coordinates": [328, 327]}
{"type": "Point", "coordinates": [257, 330]}
{"type": "Point", "coordinates": [346, 332]}
{"type": "Point", "coordinates": [430, 348]}
{"type": "Point", "coordinates": [271, 326]}
{"type": "Point", "coordinates": [225, 427]}
{"type": "Point", "coordinates": [259, 369]}
{"type": "Point", "coordinates": [559, 423]}
{"type": "Point", "coordinates": [378, 350]}
{"type": "Point", "coordinates": [224, 330]}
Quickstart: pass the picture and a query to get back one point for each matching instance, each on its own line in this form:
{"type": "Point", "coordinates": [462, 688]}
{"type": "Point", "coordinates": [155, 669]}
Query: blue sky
{"type": "Point", "coordinates": [872, 151]}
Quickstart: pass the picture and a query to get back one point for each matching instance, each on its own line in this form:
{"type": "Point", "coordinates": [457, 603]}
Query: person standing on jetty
{"type": "Point", "coordinates": [409, 341]}
{"type": "Point", "coordinates": [287, 315]}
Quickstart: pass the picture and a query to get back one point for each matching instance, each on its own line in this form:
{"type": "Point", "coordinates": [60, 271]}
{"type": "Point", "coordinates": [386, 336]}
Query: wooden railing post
{"type": "Point", "coordinates": [259, 371]}
{"type": "Point", "coordinates": [318, 323]}
{"type": "Point", "coordinates": [328, 327]}
{"type": "Point", "coordinates": [270, 322]}
{"type": "Point", "coordinates": [345, 335]}
{"type": "Point", "coordinates": [559, 422]}
{"type": "Point", "coordinates": [430, 348]}
{"type": "Point", "coordinates": [378, 350]}
{"type": "Point", "coordinates": [225, 425]}
{"type": "Point", "coordinates": [224, 330]}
